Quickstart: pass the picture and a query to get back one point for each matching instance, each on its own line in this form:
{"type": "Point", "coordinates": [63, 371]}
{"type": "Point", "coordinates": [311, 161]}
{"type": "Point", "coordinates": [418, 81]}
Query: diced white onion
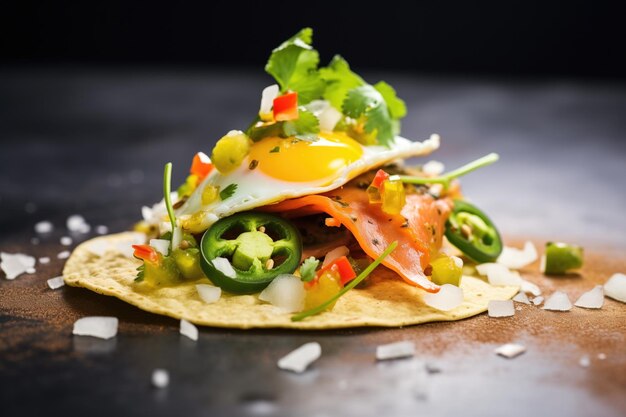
{"type": "Point", "coordinates": [514, 258]}
{"type": "Point", "coordinates": [593, 298]}
{"type": "Point", "coordinates": [336, 253]}
{"type": "Point", "coordinates": [615, 287]}
{"type": "Point", "coordinates": [510, 350]}
{"type": "Point", "coordinates": [44, 227]}
{"type": "Point", "coordinates": [63, 255]}
{"type": "Point", "coordinates": [161, 245]}
{"type": "Point", "coordinates": [146, 213]}
{"type": "Point", "coordinates": [530, 288]}
{"type": "Point", "coordinates": [66, 240]}
{"type": "Point", "coordinates": [188, 329]}
{"type": "Point", "coordinates": [96, 326]}
{"type": "Point", "coordinates": [15, 264]}
{"type": "Point", "coordinates": [102, 229]}
{"type": "Point", "coordinates": [537, 300]}
{"type": "Point", "coordinates": [500, 308]}
{"type": "Point", "coordinates": [521, 297]}
{"type": "Point", "coordinates": [499, 275]}
{"type": "Point", "coordinates": [208, 293]}
{"type": "Point", "coordinates": [77, 223]}
{"type": "Point", "coordinates": [559, 301]}
{"type": "Point", "coordinates": [267, 98]}
{"type": "Point", "coordinates": [328, 118]}
{"type": "Point", "coordinates": [285, 292]}
{"type": "Point", "coordinates": [300, 359]}
{"type": "Point", "coordinates": [56, 282]}
{"type": "Point", "coordinates": [223, 265]}
{"type": "Point", "coordinates": [448, 298]}
{"type": "Point", "coordinates": [160, 378]}
{"type": "Point", "coordinates": [44, 260]}
{"type": "Point", "coordinates": [395, 350]}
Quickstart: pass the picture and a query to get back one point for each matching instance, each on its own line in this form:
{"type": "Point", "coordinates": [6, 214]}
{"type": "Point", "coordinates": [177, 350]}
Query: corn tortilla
{"type": "Point", "coordinates": [385, 301]}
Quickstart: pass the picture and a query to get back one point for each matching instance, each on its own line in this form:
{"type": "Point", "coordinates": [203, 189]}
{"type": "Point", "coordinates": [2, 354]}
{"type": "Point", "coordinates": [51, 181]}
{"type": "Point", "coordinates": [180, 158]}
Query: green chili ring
{"type": "Point", "coordinates": [259, 246]}
{"type": "Point", "coordinates": [473, 233]}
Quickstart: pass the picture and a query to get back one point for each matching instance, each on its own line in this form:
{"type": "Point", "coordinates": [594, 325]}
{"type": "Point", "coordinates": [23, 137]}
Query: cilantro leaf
{"type": "Point", "coordinates": [397, 107]}
{"type": "Point", "coordinates": [275, 149]}
{"type": "Point", "coordinates": [294, 66]}
{"type": "Point", "coordinates": [305, 127]}
{"type": "Point", "coordinates": [307, 269]}
{"type": "Point", "coordinates": [141, 271]}
{"type": "Point", "coordinates": [369, 102]}
{"type": "Point", "coordinates": [339, 80]}
{"type": "Point", "coordinates": [228, 191]}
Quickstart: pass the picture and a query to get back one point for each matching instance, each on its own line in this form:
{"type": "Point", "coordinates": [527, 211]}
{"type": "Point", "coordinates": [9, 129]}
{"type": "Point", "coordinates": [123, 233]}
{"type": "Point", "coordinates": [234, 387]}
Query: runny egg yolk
{"type": "Point", "coordinates": [302, 161]}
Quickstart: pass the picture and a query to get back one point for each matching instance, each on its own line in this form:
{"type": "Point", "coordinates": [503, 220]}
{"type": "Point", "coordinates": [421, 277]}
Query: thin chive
{"type": "Point", "coordinates": [167, 187]}
{"type": "Point", "coordinates": [351, 284]}
{"type": "Point", "coordinates": [446, 178]}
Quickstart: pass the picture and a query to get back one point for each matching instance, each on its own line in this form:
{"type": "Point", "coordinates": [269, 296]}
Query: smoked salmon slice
{"type": "Point", "coordinates": [418, 228]}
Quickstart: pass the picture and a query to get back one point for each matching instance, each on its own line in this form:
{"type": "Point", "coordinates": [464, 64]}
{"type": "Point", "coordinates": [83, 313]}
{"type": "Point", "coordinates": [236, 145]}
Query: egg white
{"type": "Point", "coordinates": [256, 189]}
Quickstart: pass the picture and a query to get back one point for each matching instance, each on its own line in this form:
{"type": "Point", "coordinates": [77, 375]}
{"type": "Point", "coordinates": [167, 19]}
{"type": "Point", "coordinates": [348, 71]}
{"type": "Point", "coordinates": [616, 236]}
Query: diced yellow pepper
{"type": "Point", "coordinates": [230, 151]}
{"type": "Point", "coordinates": [373, 194]}
{"type": "Point", "coordinates": [392, 195]}
{"type": "Point", "coordinates": [210, 194]}
{"type": "Point", "coordinates": [188, 186]}
{"type": "Point", "coordinates": [320, 290]}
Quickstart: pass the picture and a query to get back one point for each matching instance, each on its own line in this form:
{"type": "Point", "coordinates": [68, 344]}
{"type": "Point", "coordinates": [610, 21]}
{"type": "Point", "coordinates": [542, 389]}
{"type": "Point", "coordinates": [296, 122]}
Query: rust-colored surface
{"type": "Point", "coordinates": [37, 323]}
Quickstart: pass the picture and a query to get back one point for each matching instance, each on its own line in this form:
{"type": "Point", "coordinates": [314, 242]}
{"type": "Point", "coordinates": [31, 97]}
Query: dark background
{"type": "Point", "coordinates": [507, 38]}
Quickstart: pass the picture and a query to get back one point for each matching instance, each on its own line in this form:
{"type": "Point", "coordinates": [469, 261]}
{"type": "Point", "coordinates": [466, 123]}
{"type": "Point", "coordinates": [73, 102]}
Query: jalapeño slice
{"type": "Point", "coordinates": [259, 247]}
{"type": "Point", "coordinates": [473, 233]}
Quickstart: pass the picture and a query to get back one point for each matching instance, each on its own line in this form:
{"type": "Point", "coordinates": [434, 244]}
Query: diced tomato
{"type": "Point", "coordinates": [343, 266]}
{"type": "Point", "coordinates": [201, 165]}
{"type": "Point", "coordinates": [286, 107]}
{"type": "Point", "coordinates": [146, 252]}
{"type": "Point", "coordinates": [379, 178]}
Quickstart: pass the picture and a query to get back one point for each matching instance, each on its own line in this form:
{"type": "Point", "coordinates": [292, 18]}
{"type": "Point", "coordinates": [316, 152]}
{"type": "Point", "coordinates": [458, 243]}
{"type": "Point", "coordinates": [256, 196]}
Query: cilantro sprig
{"type": "Point", "coordinates": [307, 269]}
{"type": "Point", "coordinates": [228, 191]}
{"type": "Point", "coordinates": [374, 109]}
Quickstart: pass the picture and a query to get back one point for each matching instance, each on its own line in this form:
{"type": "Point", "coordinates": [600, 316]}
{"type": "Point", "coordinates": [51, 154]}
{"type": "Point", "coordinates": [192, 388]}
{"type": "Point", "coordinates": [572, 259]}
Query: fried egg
{"type": "Point", "coordinates": [277, 169]}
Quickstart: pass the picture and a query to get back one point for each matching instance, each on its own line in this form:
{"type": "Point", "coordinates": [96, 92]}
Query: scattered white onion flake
{"type": "Point", "coordinates": [514, 258]}
{"type": "Point", "coordinates": [208, 293]}
{"type": "Point", "coordinates": [329, 117]}
{"type": "Point", "coordinates": [102, 229]}
{"type": "Point", "coordinates": [43, 227]}
{"type": "Point", "coordinates": [223, 265]}
{"type": "Point", "coordinates": [44, 260]}
{"type": "Point", "coordinates": [537, 300]}
{"type": "Point", "coordinates": [510, 350]}
{"type": "Point", "coordinates": [521, 297]}
{"type": "Point", "coordinates": [77, 223]}
{"type": "Point", "coordinates": [188, 329]}
{"type": "Point", "coordinates": [160, 378]}
{"type": "Point", "coordinates": [66, 240]}
{"type": "Point", "coordinates": [96, 326]}
{"type": "Point", "coordinates": [559, 301]}
{"type": "Point", "coordinates": [15, 264]}
{"type": "Point", "coordinates": [395, 350]}
{"type": "Point", "coordinates": [448, 298]}
{"type": "Point", "coordinates": [56, 282]}
{"type": "Point", "coordinates": [593, 298]}
{"type": "Point", "coordinates": [615, 287]}
{"type": "Point", "coordinates": [63, 255]}
{"type": "Point", "coordinates": [285, 292]}
{"type": "Point", "coordinates": [336, 253]}
{"type": "Point", "coordinates": [300, 359]}
{"type": "Point", "coordinates": [530, 288]}
{"type": "Point", "coordinates": [161, 245]}
{"type": "Point", "coordinates": [499, 275]}
{"type": "Point", "coordinates": [500, 308]}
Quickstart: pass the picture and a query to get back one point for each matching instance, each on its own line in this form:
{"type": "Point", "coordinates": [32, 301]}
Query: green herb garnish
{"type": "Point", "coordinates": [228, 191]}
{"type": "Point", "coordinates": [376, 109]}
{"type": "Point", "coordinates": [446, 178]}
{"type": "Point", "coordinates": [141, 272]}
{"type": "Point", "coordinates": [348, 287]}
{"type": "Point", "coordinates": [167, 195]}
{"type": "Point", "coordinates": [275, 149]}
{"type": "Point", "coordinates": [307, 269]}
